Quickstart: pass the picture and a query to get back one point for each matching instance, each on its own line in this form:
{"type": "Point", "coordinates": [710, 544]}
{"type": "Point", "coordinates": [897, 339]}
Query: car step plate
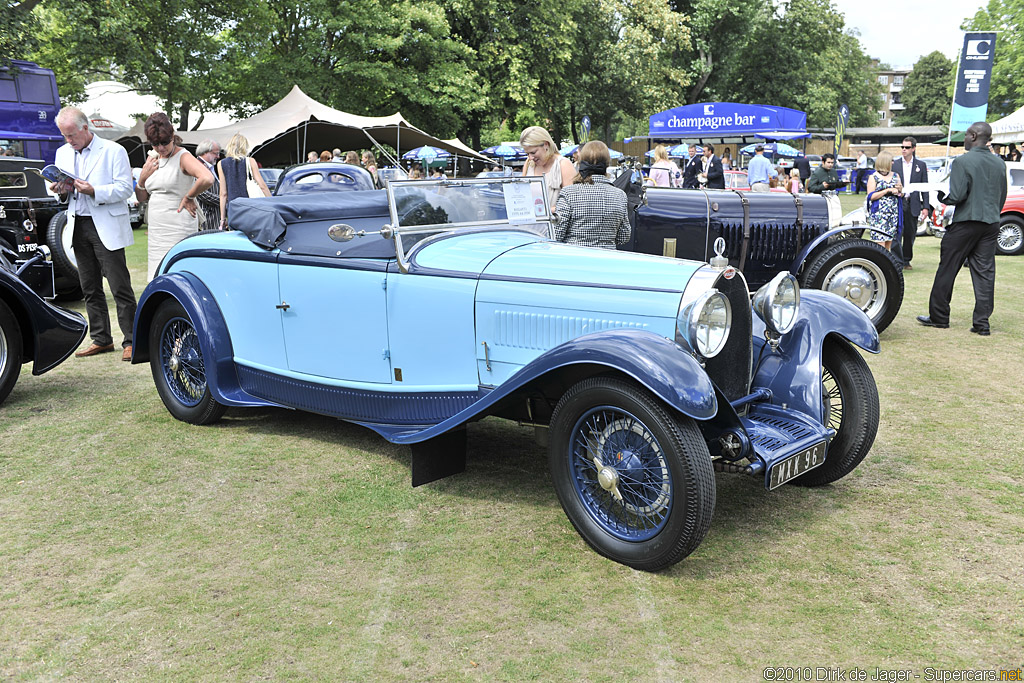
{"type": "Point", "coordinates": [797, 464]}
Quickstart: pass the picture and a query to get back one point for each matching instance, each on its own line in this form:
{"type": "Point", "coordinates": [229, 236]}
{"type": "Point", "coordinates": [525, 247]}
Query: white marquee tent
{"type": "Point", "coordinates": [284, 132]}
{"type": "Point", "coordinates": [1009, 128]}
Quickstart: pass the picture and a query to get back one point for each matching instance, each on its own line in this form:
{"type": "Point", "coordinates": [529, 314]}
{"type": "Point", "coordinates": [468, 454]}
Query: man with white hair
{"type": "Point", "coordinates": [99, 208]}
{"type": "Point", "coordinates": [208, 152]}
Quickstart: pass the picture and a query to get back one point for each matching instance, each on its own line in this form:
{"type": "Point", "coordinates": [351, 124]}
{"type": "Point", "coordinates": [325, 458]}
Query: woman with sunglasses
{"type": "Point", "coordinates": [170, 181]}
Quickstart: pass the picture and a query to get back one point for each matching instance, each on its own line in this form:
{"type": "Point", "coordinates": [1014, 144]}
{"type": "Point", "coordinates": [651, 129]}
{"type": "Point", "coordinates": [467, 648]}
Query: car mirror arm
{"type": "Point", "coordinates": [342, 232]}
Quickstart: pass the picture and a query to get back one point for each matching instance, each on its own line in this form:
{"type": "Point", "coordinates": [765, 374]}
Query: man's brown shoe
{"type": "Point", "coordinates": [126, 355]}
{"type": "Point", "coordinates": [94, 349]}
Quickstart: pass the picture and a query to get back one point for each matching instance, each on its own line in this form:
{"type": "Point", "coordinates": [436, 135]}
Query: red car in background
{"type": "Point", "coordinates": [1010, 241]}
{"type": "Point", "coordinates": [1011, 225]}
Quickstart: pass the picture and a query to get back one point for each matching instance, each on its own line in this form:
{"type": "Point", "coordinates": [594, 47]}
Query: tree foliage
{"type": "Point", "coordinates": [927, 94]}
{"type": "Point", "coordinates": [1006, 93]}
{"type": "Point", "coordinates": [479, 69]}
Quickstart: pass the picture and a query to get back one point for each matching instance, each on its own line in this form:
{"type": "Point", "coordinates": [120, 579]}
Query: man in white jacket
{"type": "Point", "coordinates": [102, 229]}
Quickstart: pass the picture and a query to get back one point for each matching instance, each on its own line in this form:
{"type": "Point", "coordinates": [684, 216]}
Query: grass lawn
{"type": "Point", "coordinates": [280, 545]}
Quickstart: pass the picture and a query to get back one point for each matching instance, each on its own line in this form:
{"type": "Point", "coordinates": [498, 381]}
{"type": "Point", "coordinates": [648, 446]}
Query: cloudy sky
{"type": "Point", "coordinates": [899, 33]}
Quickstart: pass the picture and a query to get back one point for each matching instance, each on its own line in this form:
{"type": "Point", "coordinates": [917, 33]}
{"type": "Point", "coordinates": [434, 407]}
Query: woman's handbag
{"type": "Point", "coordinates": [251, 186]}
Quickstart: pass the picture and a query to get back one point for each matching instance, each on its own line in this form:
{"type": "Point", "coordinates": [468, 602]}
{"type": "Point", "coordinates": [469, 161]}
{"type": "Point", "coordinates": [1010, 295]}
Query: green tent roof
{"type": "Point", "coordinates": [955, 138]}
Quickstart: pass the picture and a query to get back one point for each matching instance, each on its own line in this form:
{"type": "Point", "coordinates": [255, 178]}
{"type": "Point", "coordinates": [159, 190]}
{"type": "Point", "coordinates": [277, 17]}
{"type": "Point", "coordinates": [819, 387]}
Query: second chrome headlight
{"type": "Point", "coordinates": [778, 303]}
{"type": "Point", "coordinates": [705, 323]}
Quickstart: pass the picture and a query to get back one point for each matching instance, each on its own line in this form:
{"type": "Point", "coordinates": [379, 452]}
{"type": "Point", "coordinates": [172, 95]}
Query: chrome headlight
{"type": "Point", "coordinates": [778, 303]}
{"type": "Point", "coordinates": [705, 323]}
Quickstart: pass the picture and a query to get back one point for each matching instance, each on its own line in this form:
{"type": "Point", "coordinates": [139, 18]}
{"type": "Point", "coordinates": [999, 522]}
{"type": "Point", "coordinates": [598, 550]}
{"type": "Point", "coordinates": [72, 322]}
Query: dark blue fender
{"type": "Point", "coordinates": [658, 363]}
{"type": "Point", "coordinates": [793, 372]}
{"type": "Point", "coordinates": [198, 302]}
{"type": "Point", "coordinates": [51, 334]}
{"type": "Point", "coordinates": [801, 258]}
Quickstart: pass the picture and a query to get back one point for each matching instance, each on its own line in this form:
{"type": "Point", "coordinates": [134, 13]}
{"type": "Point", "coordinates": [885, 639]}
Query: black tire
{"type": "Point", "coordinates": [862, 272]}
{"type": "Point", "coordinates": [179, 370]}
{"type": "Point", "coordinates": [1010, 241]}
{"type": "Point", "coordinates": [58, 238]}
{"type": "Point", "coordinates": [10, 351]}
{"type": "Point", "coordinates": [647, 509]}
{"type": "Point", "coordinates": [851, 405]}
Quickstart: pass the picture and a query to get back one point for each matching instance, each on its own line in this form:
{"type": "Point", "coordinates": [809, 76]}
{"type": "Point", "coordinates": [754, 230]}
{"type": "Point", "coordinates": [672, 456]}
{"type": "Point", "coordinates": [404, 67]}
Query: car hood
{"type": "Point", "coordinates": [554, 262]}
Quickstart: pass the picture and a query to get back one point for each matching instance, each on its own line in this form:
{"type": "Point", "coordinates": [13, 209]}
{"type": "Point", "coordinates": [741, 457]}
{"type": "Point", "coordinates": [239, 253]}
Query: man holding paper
{"type": "Point", "coordinates": [99, 208]}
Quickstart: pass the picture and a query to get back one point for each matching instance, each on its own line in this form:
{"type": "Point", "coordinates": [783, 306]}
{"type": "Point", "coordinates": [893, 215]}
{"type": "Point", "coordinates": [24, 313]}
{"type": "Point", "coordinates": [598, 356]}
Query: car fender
{"type": "Point", "coordinates": [214, 338]}
{"type": "Point", "coordinates": [793, 371]}
{"type": "Point", "coordinates": [659, 364]}
{"type": "Point", "coordinates": [814, 244]}
{"type": "Point", "coordinates": [50, 333]}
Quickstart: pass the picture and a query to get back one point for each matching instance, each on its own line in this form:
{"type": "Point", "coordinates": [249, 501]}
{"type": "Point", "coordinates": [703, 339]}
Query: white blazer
{"type": "Point", "coordinates": [108, 171]}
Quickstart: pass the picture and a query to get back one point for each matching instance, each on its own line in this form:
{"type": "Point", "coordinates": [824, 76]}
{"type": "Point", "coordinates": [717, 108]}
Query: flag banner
{"type": "Point", "coordinates": [970, 102]}
{"type": "Point", "coordinates": [842, 118]}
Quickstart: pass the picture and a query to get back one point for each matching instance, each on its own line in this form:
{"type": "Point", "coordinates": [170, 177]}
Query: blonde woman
{"type": "Point", "coordinates": [884, 187]}
{"type": "Point", "coordinates": [664, 171]}
{"type": "Point", "coordinates": [544, 160]}
{"type": "Point", "coordinates": [233, 171]}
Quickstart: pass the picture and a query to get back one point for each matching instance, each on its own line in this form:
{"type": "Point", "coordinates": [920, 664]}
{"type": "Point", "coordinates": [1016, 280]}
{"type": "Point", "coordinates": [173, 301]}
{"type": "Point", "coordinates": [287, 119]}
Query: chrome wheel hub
{"type": "Point", "coordinates": [174, 363]}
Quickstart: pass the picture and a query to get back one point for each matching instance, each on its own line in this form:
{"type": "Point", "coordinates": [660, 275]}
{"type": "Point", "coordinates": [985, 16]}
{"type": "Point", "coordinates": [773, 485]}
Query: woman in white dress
{"type": "Point", "coordinates": [170, 181]}
{"type": "Point", "coordinates": [543, 159]}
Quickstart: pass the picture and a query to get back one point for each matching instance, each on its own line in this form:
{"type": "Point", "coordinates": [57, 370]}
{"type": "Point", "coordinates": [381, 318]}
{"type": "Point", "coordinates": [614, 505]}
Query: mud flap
{"type": "Point", "coordinates": [439, 457]}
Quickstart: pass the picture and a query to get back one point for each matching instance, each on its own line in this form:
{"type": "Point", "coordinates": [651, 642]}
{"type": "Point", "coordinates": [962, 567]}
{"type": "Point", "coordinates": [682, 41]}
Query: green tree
{"type": "Point", "coordinates": [927, 91]}
{"type": "Point", "coordinates": [1006, 93]}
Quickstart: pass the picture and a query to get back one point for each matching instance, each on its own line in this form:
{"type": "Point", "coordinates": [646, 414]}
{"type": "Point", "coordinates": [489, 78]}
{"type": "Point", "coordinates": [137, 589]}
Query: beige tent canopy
{"type": "Point", "coordinates": [283, 133]}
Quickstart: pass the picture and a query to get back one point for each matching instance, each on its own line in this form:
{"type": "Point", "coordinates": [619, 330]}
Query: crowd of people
{"type": "Point", "coordinates": [186, 192]}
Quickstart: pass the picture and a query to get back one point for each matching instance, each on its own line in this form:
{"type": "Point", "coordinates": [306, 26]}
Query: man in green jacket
{"type": "Point", "coordinates": [977, 188]}
{"type": "Point", "coordinates": [824, 177]}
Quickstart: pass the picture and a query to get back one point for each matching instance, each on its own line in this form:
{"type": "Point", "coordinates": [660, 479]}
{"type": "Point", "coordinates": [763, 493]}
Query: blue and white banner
{"type": "Point", "coordinates": [718, 119]}
{"type": "Point", "coordinates": [970, 102]}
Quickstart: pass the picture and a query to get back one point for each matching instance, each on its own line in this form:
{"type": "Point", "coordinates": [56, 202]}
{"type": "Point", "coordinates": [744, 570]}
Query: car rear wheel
{"type": "Point", "coordinates": [635, 481]}
{"type": "Point", "coordinates": [10, 351]}
{"type": "Point", "coordinates": [178, 366]}
{"type": "Point", "coordinates": [850, 406]}
{"type": "Point", "coordinates": [1010, 241]}
{"type": "Point", "coordinates": [862, 272]}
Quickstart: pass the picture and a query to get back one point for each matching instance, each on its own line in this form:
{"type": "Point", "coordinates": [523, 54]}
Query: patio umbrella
{"type": "Point", "coordinates": [681, 150]}
{"type": "Point", "coordinates": [569, 150]}
{"type": "Point", "coordinates": [504, 151]}
{"type": "Point", "coordinates": [773, 149]}
{"type": "Point", "coordinates": [426, 153]}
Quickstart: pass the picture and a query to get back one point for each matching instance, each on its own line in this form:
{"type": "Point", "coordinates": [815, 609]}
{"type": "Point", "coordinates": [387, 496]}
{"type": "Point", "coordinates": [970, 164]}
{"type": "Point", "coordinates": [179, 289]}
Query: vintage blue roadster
{"type": "Point", "coordinates": [419, 309]}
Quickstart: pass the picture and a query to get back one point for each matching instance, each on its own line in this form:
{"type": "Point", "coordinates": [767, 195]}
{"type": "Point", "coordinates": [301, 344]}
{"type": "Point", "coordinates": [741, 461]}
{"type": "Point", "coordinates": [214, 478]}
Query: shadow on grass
{"type": "Point", "coordinates": [506, 464]}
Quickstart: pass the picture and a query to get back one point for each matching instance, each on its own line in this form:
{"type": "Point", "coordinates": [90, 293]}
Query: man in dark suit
{"type": "Point", "coordinates": [977, 188]}
{"type": "Point", "coordinates": [714, 177]}
{"type": "Point", "coordinates": [910, 169]}
{"type": "Point", "coordinates": [802, 165]}
{"type": "Point", "coordinates": [692, 168]}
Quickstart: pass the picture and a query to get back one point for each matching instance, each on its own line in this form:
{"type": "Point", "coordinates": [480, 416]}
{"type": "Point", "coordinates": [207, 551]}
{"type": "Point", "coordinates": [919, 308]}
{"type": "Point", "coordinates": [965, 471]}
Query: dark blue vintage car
{"type": "Point", "coordinates": [767, 233]}
{"type": "Point", "coordinates": [418, 310]}
{"type": "Point", "coordinates": [30, 328]}
{"type": "Point", "coordinates": [322, 176]}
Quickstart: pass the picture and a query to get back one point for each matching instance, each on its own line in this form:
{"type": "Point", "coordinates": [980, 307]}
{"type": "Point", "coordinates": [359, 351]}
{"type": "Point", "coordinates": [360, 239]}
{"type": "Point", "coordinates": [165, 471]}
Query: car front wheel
{"type": "Point", "coordinates": [862, 272]}
{"type": "Point", "coordinates": [179, 369]}
{"type": "Point", "coordinates": [10, 351]}
{"type": "Point", "coordinates": [1010, 240]}
{"type": "Point", "coordinates": [849, 406]}
{"type": "Point", "coordinates": [635, 481]}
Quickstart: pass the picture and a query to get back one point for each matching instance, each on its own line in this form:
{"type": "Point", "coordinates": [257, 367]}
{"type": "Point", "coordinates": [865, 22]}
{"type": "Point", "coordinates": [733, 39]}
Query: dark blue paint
{"type": "Point", "coordinates": [52, 333]}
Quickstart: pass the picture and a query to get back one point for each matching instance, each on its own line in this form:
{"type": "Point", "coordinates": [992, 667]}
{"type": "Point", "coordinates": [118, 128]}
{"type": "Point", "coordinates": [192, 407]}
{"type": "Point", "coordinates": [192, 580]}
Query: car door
{"type": "Point", "coordinates": [334, 316]}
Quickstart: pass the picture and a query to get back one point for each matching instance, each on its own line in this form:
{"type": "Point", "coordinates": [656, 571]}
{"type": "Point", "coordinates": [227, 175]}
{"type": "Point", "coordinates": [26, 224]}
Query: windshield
{"type": "Point", "coordinates": [424, 209]}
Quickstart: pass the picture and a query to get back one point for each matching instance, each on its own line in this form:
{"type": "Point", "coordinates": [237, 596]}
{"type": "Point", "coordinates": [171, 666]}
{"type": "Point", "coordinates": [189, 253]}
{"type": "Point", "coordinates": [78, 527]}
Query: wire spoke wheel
{"type": "Point", "coordinates": [182, 361]}
{"type": "Point", "coordinates": [633, 475]}
{"type": "Point", "coordinates": [620, 472]}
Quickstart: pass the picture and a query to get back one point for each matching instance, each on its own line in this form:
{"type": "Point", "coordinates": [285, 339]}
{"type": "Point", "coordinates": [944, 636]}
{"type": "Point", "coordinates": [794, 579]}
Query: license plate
{"type": "Point", "coordinates": [795, 465]}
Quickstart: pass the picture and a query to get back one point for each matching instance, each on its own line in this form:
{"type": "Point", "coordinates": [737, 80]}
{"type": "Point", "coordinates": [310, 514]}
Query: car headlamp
{"type": "Point", "coordinates": [705, 323]}
{"type": "Point", "coordinates": [778, 303]}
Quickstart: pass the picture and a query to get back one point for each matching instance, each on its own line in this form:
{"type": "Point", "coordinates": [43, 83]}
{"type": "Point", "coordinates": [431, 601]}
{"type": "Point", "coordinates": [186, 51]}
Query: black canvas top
{"type": "Point", "coordinates": [266, 220]}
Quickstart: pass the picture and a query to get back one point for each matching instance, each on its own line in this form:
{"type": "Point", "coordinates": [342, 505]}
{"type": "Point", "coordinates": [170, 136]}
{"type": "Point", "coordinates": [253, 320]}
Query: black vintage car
{"type": "Point", "coordinates": [30, 216]}
{"type": "Point", "coordinates": [30, 328]}
{"type": "Point", "coordinates": [767, 233]}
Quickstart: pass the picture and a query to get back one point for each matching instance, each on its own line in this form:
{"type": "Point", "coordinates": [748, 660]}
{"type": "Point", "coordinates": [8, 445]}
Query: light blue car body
{"type": "Point", "coordinates": [479, 321]}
